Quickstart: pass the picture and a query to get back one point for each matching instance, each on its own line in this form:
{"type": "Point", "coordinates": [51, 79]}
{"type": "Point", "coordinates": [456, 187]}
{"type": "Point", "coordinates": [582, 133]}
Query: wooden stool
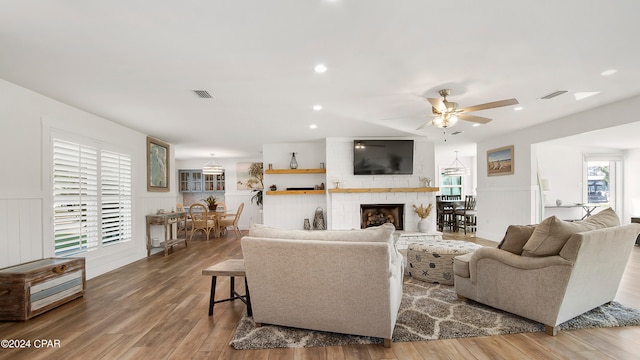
{"type": "Point", "coordinates": [232, 268]}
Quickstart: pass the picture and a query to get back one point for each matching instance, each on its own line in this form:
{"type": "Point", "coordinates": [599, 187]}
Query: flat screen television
{"type": "Point", "coordinates": [383, 157]}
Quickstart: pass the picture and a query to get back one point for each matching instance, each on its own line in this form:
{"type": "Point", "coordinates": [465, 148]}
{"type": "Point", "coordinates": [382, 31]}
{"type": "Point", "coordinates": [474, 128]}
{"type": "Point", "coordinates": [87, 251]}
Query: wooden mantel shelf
{"type": "Point", "coordinates": [383, 190]}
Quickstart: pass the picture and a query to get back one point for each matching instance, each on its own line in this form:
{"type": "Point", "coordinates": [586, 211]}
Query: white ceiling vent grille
{"type": "Point", "coordinates": [203, 94]}
{"type": "Point", "coordinates": [554, 94]}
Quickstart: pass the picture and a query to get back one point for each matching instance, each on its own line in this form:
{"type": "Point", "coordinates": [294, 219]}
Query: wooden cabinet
{"type": "Point", "coordinates": [195, 181]}
{"type": "Point", "coordinates": [291, 172]}
{"type": "Point", "coordinates": [29, 289]}
{"type": "Point", "coordinates": [214, 182]}
{"type": "Point", "coordinates": [190, 180]}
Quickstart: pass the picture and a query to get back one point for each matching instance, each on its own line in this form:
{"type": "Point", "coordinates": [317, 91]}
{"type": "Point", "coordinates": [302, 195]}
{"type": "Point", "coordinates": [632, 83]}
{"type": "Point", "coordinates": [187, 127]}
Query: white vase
{"type": "Point", "coordinates": [424, 225]}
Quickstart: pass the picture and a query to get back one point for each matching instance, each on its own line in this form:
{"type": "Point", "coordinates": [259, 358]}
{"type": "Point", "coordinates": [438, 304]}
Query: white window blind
{"type": "Point", "coordinates": [115, 192]}
{"type": "Point", "coordinates": [75, 197]}
{"type": "Point", "coordinates": [91, 198]}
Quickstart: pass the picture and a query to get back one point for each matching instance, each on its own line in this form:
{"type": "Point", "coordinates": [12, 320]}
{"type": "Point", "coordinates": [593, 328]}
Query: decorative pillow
{"type": "Point", "coordinates": [551, 234]}
{"type": "Point", "coordinates": [603, 219]}
{"type": "Point", "coordinates": [515, 238]}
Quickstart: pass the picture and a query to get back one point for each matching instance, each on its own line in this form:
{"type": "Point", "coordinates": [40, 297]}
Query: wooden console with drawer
{"type": "Point", "coordinates": [29, 289]}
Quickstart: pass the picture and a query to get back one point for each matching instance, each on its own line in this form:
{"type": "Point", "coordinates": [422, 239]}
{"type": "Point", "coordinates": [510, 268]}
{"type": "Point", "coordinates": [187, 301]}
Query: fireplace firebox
{"type": "Point", "coordinates": [378, 214]}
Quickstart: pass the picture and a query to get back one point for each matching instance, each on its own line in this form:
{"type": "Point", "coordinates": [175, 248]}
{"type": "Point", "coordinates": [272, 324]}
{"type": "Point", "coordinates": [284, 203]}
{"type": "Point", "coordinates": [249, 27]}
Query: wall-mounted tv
{"type": "Point", "coordinates": [383, 157]}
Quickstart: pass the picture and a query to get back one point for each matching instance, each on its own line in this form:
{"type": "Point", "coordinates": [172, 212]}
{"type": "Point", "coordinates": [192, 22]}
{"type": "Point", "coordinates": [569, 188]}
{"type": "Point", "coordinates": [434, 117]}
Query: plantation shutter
{"type": "Point", "coordinates": [115, 176]}
{"type": "Point", "coordinates": [75, 197]}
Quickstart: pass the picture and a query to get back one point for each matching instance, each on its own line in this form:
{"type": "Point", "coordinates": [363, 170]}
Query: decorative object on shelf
{"type": "Point", "coordinates": [270, 166]}
{"type": "Point", "coordinates": [424, 224]}
{"type": "Point", "coordinates": [157, 165]}
{"type": "Point", "coordinates": [337, 182]}
{"type": "Point", "coordinates": [273, 187]}
{"type": "Point", "coordinates": [558, 202]}
{"type": "Point", "coordinates": [160, 212]}
{"type": "Point", "coordinates": [321, 186]}
{"type": "Point", "coordinates": [211, 202]}
{"type": "Point", "coordinates": [321, 165]}
{"type": "Point", "coordinates": [318, 219]}
{"type": "Point", "coordinates": [211, 168]}
{"type": "Point", "coordinates": [307, 224]}
{"type": "Point", "coordinates": [294, 163]}
{"type": "Point", "coordinates": [426, 181]}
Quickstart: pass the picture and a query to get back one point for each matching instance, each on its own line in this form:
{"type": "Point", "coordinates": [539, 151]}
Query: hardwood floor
{"type": "Point", "coordinates": [156, 308]}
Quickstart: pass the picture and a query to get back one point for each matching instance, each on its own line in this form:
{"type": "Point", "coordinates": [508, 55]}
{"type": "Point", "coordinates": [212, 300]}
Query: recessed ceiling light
{"type": "Point", "coordinates": [313, 126]}
{"type": "Point", "coordinates": [320, 68]}
{"type": "Point", "coordinates": [317, 107]}
{"type": "Point", "coordinates": [584, 95]}
{"type": "Point", "coordinates": [608, 72]}
{"type": "Point", "coordinates": [475, 125]}
{"type": "Point", "coordinates": [518, 108]}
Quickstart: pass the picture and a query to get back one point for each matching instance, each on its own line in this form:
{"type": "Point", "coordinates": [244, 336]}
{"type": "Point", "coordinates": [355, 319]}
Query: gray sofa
{"type": "Point", "coordinates": [549, 272]}
{"type": "Point", "coordinates": [343, 281]}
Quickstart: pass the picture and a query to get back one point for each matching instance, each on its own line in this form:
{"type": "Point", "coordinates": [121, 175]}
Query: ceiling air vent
{"type": "Point", "coordinates": [203, 94]}
{"type": "Point", "coordinates": [553, 94]}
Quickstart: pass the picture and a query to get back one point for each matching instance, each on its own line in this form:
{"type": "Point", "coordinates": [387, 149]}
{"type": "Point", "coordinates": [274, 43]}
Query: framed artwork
{"type": "Point", "coordinates": [500, 161]}
{"type": "Point", "coordinates": [249, 175]}
{"type": "Point", "coordinates": [157, 165]}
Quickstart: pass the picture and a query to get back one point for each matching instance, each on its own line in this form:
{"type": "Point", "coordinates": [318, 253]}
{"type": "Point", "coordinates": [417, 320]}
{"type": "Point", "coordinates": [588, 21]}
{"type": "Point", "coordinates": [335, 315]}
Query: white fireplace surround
{"type": "Point", "coordinates": [342, 209]}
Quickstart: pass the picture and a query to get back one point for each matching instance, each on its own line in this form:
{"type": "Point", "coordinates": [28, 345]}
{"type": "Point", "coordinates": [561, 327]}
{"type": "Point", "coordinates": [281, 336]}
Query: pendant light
{"type": "Point", "coordinates": [210, 168]}
{"type": "Point", "coordinates": [456, 168]}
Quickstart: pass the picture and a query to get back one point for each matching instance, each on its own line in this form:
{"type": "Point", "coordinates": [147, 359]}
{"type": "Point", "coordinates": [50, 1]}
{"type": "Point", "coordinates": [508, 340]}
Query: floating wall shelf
{"type": "Point", "coordinates": [295, 192]}
{"type": "Point", "coordinates": [383, 190]}
{"type": "Point", "coordinates": [295, 171]}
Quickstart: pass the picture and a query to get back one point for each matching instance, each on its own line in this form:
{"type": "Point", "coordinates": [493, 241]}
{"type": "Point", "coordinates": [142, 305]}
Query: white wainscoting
{"type": "Point", "coordinates": [20, 230]}
{"type": "Point", "coordinates": [500, 207]}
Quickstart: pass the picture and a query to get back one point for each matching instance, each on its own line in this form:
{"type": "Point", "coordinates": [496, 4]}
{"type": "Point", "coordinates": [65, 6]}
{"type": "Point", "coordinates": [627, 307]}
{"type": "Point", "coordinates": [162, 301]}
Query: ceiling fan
{"type": "Point", "coordinates": [447, 112]}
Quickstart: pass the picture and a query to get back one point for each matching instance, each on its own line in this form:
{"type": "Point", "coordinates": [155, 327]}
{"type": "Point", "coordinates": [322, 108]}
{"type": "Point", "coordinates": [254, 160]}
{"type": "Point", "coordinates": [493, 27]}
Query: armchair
{"type": "Point", "coordinates": [577, 268]}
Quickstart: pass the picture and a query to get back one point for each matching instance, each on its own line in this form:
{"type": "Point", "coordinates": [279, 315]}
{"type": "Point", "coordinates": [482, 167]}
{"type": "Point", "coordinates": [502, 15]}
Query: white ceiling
{"type": "Point", "coordinates": [136, 62]}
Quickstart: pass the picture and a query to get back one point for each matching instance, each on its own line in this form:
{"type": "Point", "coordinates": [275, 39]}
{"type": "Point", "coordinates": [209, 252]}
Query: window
{"type": "Point", "coordinates": [450, 184]}
{"type": "Point", "coordinates": [91, 197]}
{"type": "Point", "coordinates": [602, 179]}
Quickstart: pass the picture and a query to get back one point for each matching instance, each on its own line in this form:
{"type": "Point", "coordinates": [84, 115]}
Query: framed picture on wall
{"type": "Point", "coordinates": [500, 161]}
{"type": "Point", "coordinates": [157, 165]}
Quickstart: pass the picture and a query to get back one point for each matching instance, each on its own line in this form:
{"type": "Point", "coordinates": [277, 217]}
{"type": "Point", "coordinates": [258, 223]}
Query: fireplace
{"type": "Point", "coordinates": [378, 214]}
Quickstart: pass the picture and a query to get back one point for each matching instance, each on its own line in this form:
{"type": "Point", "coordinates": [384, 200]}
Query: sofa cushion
{"type": "Point", "coordinates": [551, 234]}
{"type": "Point", "coordinates": [515, 238]}
{"type": "Point", "coordinates": [603, 219]}
{"type": "Point", "coordinates": [382, 233]}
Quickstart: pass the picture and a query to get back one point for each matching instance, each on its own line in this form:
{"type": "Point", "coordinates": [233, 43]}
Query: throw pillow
{"type": "Point", "coordinates": [551, 234]}
{"type": "Point", "coordinates": [515, 238]}
{"type": "Point", "coordinates": [603, 219]}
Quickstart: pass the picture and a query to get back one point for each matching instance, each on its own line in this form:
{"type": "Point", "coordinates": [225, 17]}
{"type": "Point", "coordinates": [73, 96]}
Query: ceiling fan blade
{"type": "Point", "coordinates": [424, 125]}
{"type": "Point", "coordinates": [438, 104]}
{"type": "Point", "coordinates": [491, 105]}
{"type": "Point", "coordinates": [473, 118]}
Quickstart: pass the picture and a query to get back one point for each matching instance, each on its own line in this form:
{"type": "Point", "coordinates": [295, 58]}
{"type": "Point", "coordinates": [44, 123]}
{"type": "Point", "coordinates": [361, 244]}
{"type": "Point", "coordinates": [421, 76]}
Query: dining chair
{"type": "Point", "coordinates": [231, 220]}
{"type": "Point", "coordinates": [199, 215]}
{"type": "Point", "coordinates": [445, 212]}
{"type": "Point", "coordinates": [466, 216]}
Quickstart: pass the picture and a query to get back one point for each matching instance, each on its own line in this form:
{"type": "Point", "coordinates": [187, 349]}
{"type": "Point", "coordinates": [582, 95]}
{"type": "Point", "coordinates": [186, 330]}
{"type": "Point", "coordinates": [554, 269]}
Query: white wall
{"type": "Point", "coordinates": [632, 179]}
{"type": "Point", "coordinates": [289, 211]}
{"type": "Point", "coordinates": [513, 199]}
{"type": "Point", "coordinates": [25, 221]}
{"type": "Point", "coordinates": [232, 196]}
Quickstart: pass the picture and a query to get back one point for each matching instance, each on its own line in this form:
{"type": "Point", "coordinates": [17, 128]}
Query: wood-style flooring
{"type": "Point", "coordinates": [156, 308]}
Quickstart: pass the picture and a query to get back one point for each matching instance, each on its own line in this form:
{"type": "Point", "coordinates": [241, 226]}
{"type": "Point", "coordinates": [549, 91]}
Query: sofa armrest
{"type": "Point", "coordinates": [513, 260]}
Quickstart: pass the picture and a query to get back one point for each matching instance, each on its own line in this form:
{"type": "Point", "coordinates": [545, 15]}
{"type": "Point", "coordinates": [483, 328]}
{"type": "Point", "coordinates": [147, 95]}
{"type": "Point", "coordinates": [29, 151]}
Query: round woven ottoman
{"type": "Point", "coordinates": [432, 260]}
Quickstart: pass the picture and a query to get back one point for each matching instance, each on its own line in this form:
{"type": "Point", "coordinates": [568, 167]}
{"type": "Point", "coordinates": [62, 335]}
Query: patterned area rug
{"type": "Point", "coordinates": [428, 312]}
